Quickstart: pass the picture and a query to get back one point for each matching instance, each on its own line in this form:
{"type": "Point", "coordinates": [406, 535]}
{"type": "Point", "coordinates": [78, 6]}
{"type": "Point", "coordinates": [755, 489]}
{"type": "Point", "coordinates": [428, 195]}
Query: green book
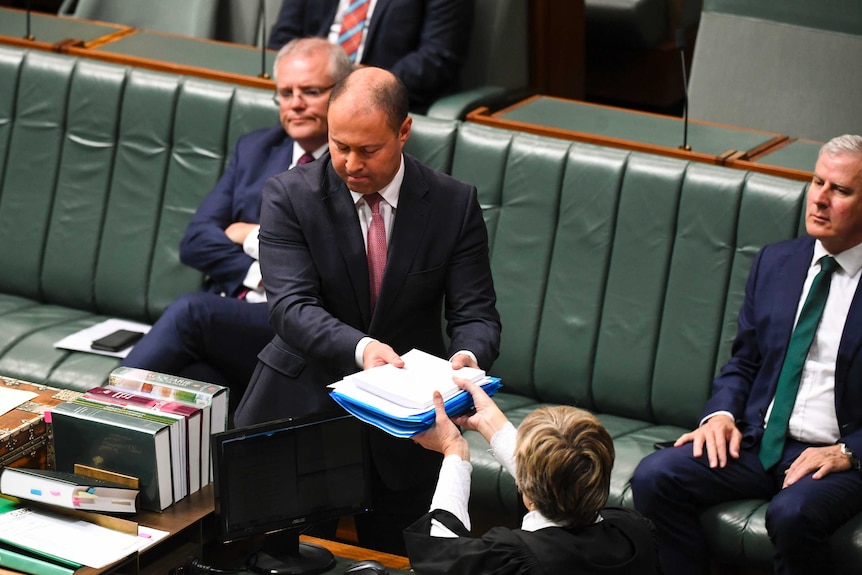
{"type": "Point", "coordinates": [116, 442]}
{"type": "Point", "coordinates": [22, 560]}
{"type": "Point", "coordinates": [179, 440]}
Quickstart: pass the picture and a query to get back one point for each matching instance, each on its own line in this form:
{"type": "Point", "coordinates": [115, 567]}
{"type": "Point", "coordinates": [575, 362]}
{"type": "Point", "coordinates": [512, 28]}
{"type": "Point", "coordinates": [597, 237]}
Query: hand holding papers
{"type": "Point", "coordinates": [399, 401]}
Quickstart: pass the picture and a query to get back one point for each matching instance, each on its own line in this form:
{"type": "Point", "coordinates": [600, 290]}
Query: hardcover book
{"type": "Point", "coordinates": [68, 490]}
{"type": "Point", "coordinates": [116, 442]}
{"type": "Point", "coordinates": [177, 430]}
{"type": "Point", "coordinates": [169, 387]}
{"type": "Point", "coordinates": [196, 421]}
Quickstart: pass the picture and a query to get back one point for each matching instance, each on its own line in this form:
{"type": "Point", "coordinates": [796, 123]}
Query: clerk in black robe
{"type": "Point", "coordinates": [564, 458]}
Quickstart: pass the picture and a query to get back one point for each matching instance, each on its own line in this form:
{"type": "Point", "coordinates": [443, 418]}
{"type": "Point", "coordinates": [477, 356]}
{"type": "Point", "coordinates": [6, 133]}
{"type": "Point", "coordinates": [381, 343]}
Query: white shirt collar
{"type": "Point", "coordinates": [850, 260]}
{"type": "Point", "coordinates": [299, 150]}
{"type": "Point", "coordinates": [390, 191]}
{"type": "Point", "coordinates": [534, 520]}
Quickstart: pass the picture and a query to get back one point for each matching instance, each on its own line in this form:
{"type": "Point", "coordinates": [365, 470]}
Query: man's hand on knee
{"type": "Point", "coordinates": [720, 437]}
{"type": "Point", "coordinates": [820, 460]}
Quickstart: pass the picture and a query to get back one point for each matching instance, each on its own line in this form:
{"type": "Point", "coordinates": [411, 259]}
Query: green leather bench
{"type": "Point", "coordinates": [619, 275]}
{"type": "Point", "coordinates": [101, 168]}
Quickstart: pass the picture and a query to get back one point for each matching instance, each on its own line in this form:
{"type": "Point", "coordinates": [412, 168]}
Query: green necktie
{"type": "Point", "coordinates": [772, 444]}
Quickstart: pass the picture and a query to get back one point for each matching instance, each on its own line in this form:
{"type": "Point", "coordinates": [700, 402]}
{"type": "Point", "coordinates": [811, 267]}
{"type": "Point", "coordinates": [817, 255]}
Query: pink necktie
{"type": "Point", "coordinates": [352, 26]}
{"type": "Point", "coordinates": [376, 246]}
{"type": "Point", "coordinates": [304, 159]}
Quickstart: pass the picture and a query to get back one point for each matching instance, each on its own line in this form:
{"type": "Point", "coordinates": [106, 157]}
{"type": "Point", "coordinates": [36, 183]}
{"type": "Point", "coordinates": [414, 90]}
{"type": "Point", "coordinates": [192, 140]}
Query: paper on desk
{"type": "Point", "coordinates": [68, 538]}
{"type": "Point", "coordinates": [12, 398]}
{"type": "Point", "coordinates": [148, 536]}
{"type": "Point", "coordinates": [80, 340]}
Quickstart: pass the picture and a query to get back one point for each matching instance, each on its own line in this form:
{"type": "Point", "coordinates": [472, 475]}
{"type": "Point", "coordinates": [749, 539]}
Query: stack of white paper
{"type": "Point", "coordinates": [400, 400]}
{"type": "Point", "coordinates": [414, 384]}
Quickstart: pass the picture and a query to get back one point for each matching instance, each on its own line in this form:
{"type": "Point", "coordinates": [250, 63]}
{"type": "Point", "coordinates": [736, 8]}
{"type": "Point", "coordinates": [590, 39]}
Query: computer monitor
{"type": "Point", "coordinates": [279, 478]}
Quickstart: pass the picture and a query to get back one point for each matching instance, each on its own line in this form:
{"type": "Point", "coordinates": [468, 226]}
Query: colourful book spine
{"type": "Point", "coordinates": [170, 387]}
{"type": "Point", "coordinates": [196, 434]}
{"type": "Point", "coordinates": [165, 386]}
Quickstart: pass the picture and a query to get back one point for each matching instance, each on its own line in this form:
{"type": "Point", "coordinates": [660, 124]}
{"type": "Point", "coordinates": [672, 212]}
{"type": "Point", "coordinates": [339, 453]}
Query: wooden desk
{"type": "Point", "coordinates": [234, 63]}
{"type": "Point", "coordinates": [193, 533]}
{"type": "Point", "coordinates": [51, 32]}
{"type": "Point", "coordinates": [792, 159]}
{"type": "Point", "coordinates": [627, 129]}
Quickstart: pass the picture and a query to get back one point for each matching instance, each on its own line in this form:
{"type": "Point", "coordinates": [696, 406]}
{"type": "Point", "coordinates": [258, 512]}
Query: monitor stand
{"type": "Point", "coordinates": [284, 554]}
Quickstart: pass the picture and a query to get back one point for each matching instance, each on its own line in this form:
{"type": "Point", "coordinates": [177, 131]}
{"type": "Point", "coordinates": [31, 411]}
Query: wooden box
{"type": "Point", "coordinates": [24, 435]}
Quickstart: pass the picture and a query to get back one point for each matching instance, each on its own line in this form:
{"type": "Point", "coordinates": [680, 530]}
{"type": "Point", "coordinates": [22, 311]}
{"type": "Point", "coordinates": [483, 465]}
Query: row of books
{"type": "Point", "coordinates": [143, 424]}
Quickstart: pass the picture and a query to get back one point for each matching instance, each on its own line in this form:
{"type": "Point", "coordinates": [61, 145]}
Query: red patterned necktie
{"type": "Point", "coordinates": [352, 26]}
{"type": "Point", "coordinates": [304, 159]}
{"type": "Point", "coordinates": [376, 246]}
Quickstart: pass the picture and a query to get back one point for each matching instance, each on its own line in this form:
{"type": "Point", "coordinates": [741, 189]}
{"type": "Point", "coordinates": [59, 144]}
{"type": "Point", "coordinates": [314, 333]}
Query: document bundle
{"type": "Point", "coordinates": [400, 400]}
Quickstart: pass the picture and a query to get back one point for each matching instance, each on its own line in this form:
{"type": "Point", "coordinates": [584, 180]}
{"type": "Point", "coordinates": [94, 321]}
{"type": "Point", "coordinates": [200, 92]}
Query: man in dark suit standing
{"type": "Point", "coordinates": [334, 315]}
{"type": "Point", "coordinates": [423, 42]}
{"type": "Point", "coordinates": [799, 449]}
{"type": "Point", "coordinates": [215, 334]}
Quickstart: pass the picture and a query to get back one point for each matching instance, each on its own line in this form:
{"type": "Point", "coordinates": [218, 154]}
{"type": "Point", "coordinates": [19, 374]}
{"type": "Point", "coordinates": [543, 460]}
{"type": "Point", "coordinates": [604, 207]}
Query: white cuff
{"type": "Point", "coordinates": [251, 246]}
{"type": "Point", "coordinates": [503, 447]}
{"type": "Point", "coordinates": [452, 493]}
{"type": "Point", "coordinates": [360, 350]}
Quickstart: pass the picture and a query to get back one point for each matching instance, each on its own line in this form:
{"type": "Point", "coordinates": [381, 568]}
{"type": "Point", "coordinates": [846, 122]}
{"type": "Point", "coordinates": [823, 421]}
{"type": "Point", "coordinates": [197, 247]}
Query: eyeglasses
{"type": "Point", "coordinates": [306, 94]}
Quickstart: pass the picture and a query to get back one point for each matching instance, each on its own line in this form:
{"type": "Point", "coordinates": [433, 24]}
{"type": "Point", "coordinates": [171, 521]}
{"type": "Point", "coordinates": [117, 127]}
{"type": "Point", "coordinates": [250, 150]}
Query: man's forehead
{"type": "Point", "coordinates": [303, 69]}
{"type": "Point", "coordinates": [846, 166]}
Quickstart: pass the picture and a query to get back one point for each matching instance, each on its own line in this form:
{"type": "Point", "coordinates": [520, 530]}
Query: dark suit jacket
{"type": "Point", "coordinates": [316, 276]}
{"type": "Point", "coordinates": [423, 42]}
{"type": "Point", "coordinates": [746, 385]}
{"type": "Point", "coordinates": [235, 198]}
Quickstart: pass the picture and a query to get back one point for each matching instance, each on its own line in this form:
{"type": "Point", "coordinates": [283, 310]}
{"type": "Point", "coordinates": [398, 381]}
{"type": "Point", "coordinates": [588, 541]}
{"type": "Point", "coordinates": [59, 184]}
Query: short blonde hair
{"type": "Point", "coordinates": [564, 458]}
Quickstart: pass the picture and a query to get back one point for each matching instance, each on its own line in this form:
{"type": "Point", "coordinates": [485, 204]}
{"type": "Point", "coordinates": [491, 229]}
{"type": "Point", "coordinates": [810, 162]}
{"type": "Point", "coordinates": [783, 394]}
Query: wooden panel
{"type": "Point", "coordinates": [626, 129]}
{"type": "Point", "coordinates": [557, 47]}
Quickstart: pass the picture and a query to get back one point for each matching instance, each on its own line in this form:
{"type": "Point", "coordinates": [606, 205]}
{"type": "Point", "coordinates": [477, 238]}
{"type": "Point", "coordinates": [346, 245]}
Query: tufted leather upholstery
{"type": "Point", "coordinates": [102, 167]}
{"type": "Point", "coordinates": [619, 275]}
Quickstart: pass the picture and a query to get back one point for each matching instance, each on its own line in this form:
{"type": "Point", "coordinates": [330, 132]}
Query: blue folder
{"type": "Point", "coordinates": [409, 426]}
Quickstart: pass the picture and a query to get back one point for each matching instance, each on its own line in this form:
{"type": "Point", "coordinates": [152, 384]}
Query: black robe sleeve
{"type": "Point", "coordinates": [623, 543]}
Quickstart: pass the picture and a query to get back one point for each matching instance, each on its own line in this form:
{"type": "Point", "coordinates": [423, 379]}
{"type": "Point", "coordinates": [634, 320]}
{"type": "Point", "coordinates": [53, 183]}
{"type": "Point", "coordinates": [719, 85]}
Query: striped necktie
{"type": "Point", "coordinates": [352, 26]}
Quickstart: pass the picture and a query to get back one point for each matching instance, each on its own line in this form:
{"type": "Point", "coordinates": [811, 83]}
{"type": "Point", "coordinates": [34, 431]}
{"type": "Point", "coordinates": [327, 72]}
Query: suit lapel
{"type": "Point", "coordinates": [408, 231]}
{"type": "Point", "coordinates": [328, 8]}
{"type": "Point", "coordinates": [348, 236]}
{"type": "Point", "coordinates": [789, 289]}
{"type": "Point", "coordinates": [374, 25]}
{"type": "Point", "coordinates": [851, 339]}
